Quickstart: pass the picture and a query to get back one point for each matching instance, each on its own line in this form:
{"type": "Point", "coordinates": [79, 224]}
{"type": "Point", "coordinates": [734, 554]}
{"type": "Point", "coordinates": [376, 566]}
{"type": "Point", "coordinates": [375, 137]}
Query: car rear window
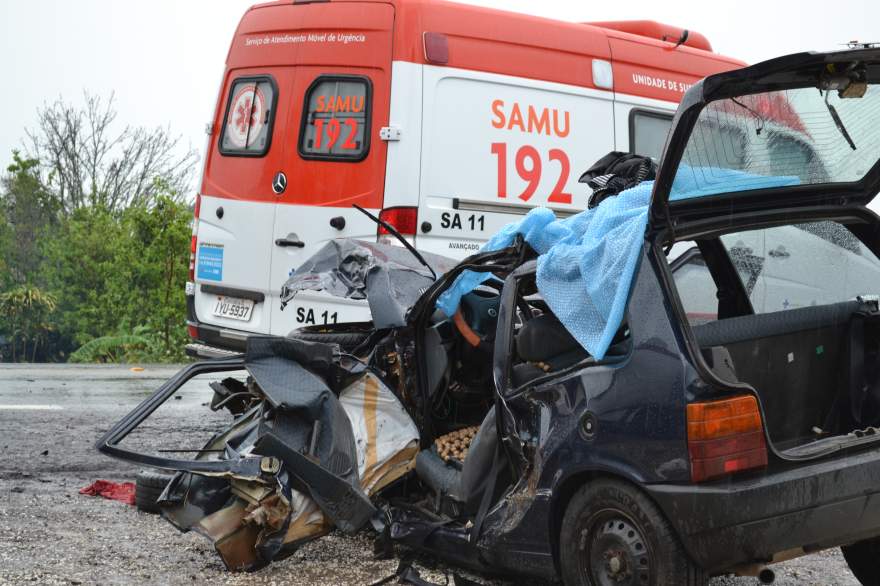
{"type": "Point", "coordinates": [250, 115]}
{"type": "Point", "coordinates": [336, 119]}
{"type": "Point", "coordinates": [781, 268]}
{"type": "Point", "coordinates": [799, 136]}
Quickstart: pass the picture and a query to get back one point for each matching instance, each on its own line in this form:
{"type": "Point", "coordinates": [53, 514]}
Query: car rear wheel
{"type": "Point", "coordinates": [346, 340]}
{"type": "Point", "coordinates": [613, 535]}
{"type": "Point", "coordinates": [863, 559]}
{"type": "Point", "coordinates": [148, 487]}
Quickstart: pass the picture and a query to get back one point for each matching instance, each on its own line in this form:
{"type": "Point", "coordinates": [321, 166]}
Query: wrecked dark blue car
{"type": "Point", "coordinates": [717, 412]}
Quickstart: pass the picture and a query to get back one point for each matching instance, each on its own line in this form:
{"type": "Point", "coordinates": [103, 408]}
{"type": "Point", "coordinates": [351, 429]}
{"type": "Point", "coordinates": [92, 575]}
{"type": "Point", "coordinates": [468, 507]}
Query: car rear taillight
{"type": "Point", "coordinates": [404, 220]}
{"type": "Point", "coordinates": [725, 437]}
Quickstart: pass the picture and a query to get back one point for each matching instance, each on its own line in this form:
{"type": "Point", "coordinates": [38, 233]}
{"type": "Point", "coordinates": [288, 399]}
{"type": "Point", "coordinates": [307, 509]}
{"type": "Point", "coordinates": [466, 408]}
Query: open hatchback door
{"type": "Point", "coordinates": [796, 131]}
{"type": "Point", "coordinates": [766, 177]}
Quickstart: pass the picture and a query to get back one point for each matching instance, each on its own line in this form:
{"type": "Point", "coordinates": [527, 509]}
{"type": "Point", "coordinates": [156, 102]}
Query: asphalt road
{"type": "Point", "coordinates": [50, 418]}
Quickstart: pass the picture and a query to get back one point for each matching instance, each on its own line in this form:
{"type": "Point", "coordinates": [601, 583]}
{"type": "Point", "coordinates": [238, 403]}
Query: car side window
{"type": "Point", "coordinates": [336, 119]}
{"type": "Point", "coordinates": [802, 265]}
{"type": "Point", "coordinates": [696, 288]}
{"type": "Point", "coordinates": [249, 117]}
{"type": "Point", "coordinates": [648, 131]}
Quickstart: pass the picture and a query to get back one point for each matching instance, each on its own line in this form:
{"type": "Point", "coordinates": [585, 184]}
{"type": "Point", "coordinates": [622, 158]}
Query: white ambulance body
{"type": "Point", "coordinates": [446, 120]}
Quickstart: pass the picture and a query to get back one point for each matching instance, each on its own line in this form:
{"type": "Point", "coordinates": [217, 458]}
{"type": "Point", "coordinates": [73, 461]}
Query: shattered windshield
{"type": "Point", "coordinates": [805, 136]}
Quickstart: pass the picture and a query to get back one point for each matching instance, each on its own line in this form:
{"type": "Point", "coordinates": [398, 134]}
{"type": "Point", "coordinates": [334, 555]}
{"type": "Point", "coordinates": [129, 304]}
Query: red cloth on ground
{"type": "Point", "coordinates": [117, 491]}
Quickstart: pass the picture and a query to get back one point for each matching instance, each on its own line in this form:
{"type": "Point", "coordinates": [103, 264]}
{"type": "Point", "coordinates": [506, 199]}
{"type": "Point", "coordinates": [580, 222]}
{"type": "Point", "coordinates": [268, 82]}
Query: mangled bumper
{"type": "Point", "coordinates": [318, 439]}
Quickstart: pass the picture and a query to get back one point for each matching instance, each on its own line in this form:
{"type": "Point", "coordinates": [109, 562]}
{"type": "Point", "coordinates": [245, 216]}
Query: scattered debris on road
{"type": "Point", "coordinates": [114, 491]}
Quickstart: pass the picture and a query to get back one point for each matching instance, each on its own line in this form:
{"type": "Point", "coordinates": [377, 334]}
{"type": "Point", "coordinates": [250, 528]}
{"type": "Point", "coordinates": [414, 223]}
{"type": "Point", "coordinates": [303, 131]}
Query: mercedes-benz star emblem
{"type": "Point", "coordinates": [279, 184]}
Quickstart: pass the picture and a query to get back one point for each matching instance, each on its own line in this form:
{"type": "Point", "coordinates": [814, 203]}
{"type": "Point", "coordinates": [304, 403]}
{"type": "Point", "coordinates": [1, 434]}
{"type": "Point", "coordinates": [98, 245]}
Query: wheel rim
{"type": "Point", "coordinates": [615, 552]}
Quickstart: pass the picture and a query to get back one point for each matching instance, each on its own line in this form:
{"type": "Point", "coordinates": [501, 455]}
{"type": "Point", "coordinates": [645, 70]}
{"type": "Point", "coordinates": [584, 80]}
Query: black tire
{"type": "Point", "coordinates": [346, 340]}
{"type": "Point", "coordinates": [616, 523]}
{"type": "Point", "coordinates": [863, 559]}
{"type": "Point", "coordinates": [148, 487]}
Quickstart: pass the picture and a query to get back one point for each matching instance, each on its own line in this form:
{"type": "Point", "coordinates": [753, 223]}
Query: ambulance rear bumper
{"type": "Point", "coordinates": [208, 338]}
{"type": "Point", "coordinates": [203, 351]}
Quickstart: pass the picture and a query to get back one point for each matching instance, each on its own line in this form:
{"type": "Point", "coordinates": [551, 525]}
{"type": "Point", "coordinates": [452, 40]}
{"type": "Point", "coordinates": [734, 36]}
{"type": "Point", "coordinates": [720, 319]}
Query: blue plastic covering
{"type": "Point", "coordinates": [587, 262]}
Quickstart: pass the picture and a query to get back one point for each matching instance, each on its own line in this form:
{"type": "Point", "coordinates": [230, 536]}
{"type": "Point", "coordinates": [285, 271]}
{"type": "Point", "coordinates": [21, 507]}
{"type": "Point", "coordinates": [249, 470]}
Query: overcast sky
{"type": "Point", "coordinates": [163, 59]}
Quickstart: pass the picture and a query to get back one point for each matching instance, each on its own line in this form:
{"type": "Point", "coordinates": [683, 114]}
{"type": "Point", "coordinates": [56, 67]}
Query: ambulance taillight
{"type": "Point", "coordinates": [404, 219]}
{"type": "Point", "coordinates": [194, 241]}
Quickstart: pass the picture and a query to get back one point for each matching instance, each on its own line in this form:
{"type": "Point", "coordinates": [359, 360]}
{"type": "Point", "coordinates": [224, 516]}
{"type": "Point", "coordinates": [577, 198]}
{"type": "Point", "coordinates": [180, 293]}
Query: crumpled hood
{"type": "Point", "coordinates": [389, 277]}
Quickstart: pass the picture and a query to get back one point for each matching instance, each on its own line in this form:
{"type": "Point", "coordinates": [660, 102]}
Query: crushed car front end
{"type": "Point", "coordinates": [302, 454]}
{"type": "Point", "coordinates": [568, 403]}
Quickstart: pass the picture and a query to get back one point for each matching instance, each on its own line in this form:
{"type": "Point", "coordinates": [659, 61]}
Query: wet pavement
{"type": "Point", "coordinates": [50, 418]}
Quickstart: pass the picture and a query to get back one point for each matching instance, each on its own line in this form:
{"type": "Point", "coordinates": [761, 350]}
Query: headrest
{"type": "Point", "coordinates": [542, 338]}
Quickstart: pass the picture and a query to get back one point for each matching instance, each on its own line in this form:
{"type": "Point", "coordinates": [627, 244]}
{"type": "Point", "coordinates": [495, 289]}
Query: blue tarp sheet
{"type": "Point", "coordinates": [587, 262]}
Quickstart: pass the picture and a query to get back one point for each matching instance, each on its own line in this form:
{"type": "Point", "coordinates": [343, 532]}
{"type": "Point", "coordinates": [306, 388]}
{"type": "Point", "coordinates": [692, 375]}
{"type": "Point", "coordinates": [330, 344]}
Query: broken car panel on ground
{"type": "Point", "coordinates": [577, 410]}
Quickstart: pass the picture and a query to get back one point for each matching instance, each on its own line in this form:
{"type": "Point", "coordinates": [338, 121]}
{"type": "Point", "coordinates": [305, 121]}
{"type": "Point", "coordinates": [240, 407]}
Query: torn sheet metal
{"type": "Point", "coordinates": [386, 438]}
{"type": "Point", "coordinates": [389, 277]}
{"type": "Point", "coordinates": [364, 441]}
{"type": "Point", "coordinates": [308, 430]}
{"type": "Point", "coordinates": [387, 443]}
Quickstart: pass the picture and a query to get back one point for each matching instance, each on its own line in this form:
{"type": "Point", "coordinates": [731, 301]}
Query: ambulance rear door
{"type": "Point", "coordinates": [334, 156]}
{"type": "Point", "coordinates": [237, 209]}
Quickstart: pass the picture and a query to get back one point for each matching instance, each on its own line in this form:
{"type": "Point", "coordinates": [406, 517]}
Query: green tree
{"type": "Point", "coordinates": [81, 269]}
{"type": "Point", "coordinates": [25, 311]}
{"type": "Point", "coordinates": [94, 239]}
{"type": "Point", "coordinates": [28, 211]}
{"type": "Point", "coordinates": [88, 159]}
{"type": "Point", "coordinates": [119, 275]}
{"type": "Point", "coordinates": [158, 254]}
{"type": "Point", "coordinates": [5, 252]}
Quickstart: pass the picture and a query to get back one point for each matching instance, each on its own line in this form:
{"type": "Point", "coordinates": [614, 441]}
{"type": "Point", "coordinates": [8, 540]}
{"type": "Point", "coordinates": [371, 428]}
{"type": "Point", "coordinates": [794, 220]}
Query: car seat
{"type": "Point", "coordinates": [544, 345]}
{"type": "Point", "coordinates": [464, 487]}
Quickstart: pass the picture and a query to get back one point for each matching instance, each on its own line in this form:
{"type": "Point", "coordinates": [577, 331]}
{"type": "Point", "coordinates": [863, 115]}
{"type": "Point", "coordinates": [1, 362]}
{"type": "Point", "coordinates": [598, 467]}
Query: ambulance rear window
{"type": "Point", "coordinates": [336, 119]}
{"type": "Point", "coordinates": [250, 114]}
{"type": "Point", "coordinates": [647, 132]}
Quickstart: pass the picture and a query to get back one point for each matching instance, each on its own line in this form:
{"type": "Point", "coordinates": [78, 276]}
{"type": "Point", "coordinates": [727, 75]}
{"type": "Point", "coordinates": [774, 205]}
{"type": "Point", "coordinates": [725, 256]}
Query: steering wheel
{"type": "Point", "coordinates": [477, 316]}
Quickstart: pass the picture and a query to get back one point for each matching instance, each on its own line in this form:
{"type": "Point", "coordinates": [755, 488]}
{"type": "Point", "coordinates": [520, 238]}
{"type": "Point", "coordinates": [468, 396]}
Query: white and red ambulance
{"type": "Point", "coordinates": [446, 120]}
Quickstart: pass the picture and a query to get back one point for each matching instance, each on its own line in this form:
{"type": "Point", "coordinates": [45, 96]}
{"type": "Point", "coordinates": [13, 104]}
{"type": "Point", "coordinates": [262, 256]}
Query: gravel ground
{"type": "Point", "coordinates": [50, 418]}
